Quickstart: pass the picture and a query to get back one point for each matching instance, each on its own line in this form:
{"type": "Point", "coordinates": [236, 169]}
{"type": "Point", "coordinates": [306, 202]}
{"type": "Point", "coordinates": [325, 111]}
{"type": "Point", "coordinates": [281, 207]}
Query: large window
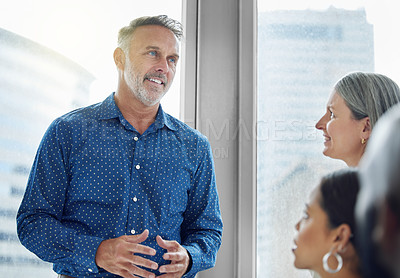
{"type": "Point", "coordinates": [303, 49]}
{"type": "Point", "coordinates": [55, 56]}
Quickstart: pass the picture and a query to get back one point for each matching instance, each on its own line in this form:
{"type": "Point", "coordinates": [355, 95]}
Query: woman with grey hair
{"type": "Point", "coordinates": [357, 101]}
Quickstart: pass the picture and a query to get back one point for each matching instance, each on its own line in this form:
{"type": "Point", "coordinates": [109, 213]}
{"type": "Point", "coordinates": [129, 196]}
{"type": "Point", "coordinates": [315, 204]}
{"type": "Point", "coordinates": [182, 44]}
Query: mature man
{"type": "Point", "coordinates": [120, 187]}
{"type": "Point", "coordinates": [378, 205]}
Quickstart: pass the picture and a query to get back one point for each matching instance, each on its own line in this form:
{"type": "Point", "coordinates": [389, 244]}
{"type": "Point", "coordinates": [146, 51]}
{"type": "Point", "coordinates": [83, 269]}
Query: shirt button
{"type": "Point", "coordinates": [137, 167]}
{"type": "Point", "coordinates": [90, 270]}
{"type": "Point", "coordinates": [135, 138]}
{"type": "Point", "coordinates": [133, 231]}
{"type": "Point", "coordinates": [134, 199]}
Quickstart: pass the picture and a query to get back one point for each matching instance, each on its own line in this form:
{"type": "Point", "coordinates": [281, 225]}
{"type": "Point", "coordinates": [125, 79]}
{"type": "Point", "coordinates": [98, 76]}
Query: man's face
{"type": "Point", "coordinates": [150, 65]}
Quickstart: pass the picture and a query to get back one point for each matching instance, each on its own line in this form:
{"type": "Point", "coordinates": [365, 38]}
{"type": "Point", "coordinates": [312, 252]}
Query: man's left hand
{"type": "Point", "coordinates": [178, 256]}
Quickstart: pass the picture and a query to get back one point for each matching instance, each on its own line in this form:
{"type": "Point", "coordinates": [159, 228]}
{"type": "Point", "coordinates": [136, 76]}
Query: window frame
{"type": "Point", "coordinates": [229, 79]}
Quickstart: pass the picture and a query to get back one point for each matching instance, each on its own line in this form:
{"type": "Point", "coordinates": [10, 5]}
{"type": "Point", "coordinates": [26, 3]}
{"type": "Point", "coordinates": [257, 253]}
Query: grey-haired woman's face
{"type": "Point", "coordinates": [342, 133]}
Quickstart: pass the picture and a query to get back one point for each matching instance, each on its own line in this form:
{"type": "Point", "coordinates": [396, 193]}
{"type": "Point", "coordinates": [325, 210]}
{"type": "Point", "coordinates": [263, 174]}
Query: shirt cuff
{"type": "Point", "coordinates": [85, 249]}
{"type": "Point", "coordinates": [196, 261]}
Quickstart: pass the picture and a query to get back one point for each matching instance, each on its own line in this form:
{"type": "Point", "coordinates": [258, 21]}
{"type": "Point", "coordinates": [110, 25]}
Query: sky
{"type": "Point", "coordinates": [267, 5]}
{"type": "Point", "coordinates": [382, 14]}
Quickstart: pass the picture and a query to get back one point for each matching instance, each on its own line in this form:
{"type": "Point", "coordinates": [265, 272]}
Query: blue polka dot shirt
{"type": "Point", "coordinates": [95, 178]}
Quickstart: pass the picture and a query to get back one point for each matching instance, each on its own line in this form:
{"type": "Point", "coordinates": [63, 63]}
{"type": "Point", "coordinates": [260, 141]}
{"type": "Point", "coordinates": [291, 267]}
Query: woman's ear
{"type": "Point", "coordinates": [119, 58]}
{"type": "Point", "coordinates": [343, 236]}
{"type": "Point", "coordinates": [366, 128]}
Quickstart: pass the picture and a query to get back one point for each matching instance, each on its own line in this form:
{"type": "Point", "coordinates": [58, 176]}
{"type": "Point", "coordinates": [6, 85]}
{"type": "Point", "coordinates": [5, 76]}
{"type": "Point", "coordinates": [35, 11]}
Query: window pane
{"type": "Point", "coordinates": [55, 56]}
{"type": "Point", "coordinates": [302, 51]}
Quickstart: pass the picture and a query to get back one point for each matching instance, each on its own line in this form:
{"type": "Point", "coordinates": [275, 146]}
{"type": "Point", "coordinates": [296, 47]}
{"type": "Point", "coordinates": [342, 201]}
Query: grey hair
{"type": "Point", "coordinates": [125, 33]}
{"type": "Point", "coordinates": [368, 94]}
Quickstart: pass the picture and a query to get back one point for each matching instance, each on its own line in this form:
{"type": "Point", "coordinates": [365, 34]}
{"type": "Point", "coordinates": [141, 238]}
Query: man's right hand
{"type": "Point", "coordinates": [117, 256]}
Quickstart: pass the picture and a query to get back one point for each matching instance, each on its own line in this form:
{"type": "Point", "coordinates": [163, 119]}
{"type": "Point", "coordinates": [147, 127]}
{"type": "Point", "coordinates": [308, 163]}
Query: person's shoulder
{"type": "Point", "coordinates": [78, 117]}
{"type": "Point", "coordinates": [185, 130]}
{"type": "Point", "coordinates": [81, 113]}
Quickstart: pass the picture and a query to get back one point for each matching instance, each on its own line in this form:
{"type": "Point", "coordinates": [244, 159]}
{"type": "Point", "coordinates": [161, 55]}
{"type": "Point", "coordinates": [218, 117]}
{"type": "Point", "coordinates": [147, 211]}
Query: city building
{"type": "Point", "coordinates": [36, 85]}
{"type": "Point", "coordinates": [301, 54]}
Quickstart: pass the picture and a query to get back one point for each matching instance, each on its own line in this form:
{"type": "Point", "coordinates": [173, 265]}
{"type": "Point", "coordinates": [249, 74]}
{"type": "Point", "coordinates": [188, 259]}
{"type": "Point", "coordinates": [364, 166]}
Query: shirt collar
{"type": "Point", "coordinates": [162, 119]}
{"type": "Point", "coordinates": [110, 110]}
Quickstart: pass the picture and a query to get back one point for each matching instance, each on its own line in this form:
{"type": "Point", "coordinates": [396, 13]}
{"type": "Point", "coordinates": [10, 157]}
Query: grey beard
{"type": "Point", "coordinates": [144, 98]}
